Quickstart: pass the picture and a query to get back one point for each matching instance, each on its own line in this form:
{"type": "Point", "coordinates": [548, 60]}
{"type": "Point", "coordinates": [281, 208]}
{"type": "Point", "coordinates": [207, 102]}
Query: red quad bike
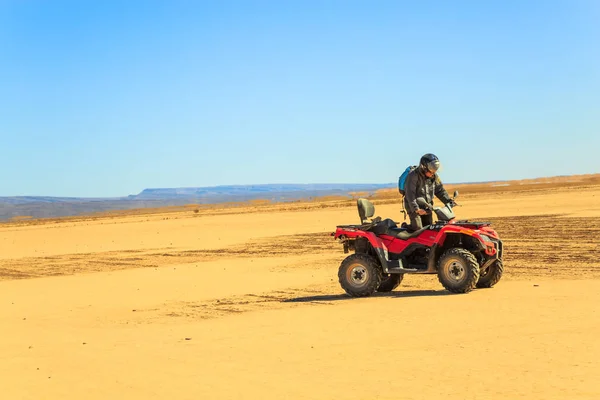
{"type": "Point", "coordinates": [464, 254]}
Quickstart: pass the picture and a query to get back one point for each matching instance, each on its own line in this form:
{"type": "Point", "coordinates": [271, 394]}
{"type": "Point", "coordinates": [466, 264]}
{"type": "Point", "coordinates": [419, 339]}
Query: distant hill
{"type": "Point", "coordinates": [47, 207]}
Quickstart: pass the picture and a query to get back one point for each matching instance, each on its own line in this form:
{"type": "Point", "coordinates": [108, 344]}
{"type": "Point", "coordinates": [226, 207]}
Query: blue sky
{"type": "Point", "coordinates": [107, 98]}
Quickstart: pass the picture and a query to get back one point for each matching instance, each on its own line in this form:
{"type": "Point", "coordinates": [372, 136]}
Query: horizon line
{"type": "Point", "coordinates": [391, 184]}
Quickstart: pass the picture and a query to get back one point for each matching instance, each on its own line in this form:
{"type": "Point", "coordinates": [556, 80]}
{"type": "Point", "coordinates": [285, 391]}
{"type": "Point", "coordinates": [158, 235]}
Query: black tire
{"type": "Point", "coordinates": [390, 282]}
{"type": "Point", "coordinates": [360, 275]}
{"type": "Point", "coordinates": [491, 276]}
{"type": "Point", "coordinates": [458, 270]}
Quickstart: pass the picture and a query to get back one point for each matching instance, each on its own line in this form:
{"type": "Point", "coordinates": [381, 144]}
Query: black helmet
{"type": "Point", "coordinates": [430, 162]}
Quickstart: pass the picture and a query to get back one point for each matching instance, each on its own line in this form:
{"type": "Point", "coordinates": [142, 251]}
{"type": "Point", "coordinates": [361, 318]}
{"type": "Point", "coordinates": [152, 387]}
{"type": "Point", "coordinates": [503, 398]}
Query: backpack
{"type": "Point", "coordinates": [402, 178]}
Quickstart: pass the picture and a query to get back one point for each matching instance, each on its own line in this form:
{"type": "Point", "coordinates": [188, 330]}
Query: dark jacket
{"type": "Point", "coordinates": [418, 185]}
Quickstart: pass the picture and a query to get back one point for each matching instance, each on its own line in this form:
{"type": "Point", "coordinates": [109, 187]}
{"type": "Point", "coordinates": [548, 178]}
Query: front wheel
{"type": "Point", "coordinates": [458, 270]}
{"type": "Point", "coordinates": [360, 275]}
{"type": "Point", "coordinates": [491, 275]}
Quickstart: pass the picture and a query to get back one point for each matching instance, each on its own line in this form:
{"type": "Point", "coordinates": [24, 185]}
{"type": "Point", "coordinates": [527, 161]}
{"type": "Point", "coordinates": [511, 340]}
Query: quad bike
{"type": "Point", "coordinates": [464, 254]}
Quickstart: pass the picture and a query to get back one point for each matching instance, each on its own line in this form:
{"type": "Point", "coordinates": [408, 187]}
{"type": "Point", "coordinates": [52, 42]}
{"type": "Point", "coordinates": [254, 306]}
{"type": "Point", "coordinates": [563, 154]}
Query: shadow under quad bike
{"type": "Point", "coordinates": [464, 254]}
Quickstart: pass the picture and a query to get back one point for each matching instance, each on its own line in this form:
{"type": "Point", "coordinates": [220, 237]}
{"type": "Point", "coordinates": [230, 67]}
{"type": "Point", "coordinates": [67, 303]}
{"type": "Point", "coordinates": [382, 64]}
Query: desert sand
{"type": "Point", "coordinates": [244, 303]}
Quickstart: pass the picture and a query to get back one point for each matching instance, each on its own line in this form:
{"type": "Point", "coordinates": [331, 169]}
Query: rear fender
{"type": "Point", "coordinates": [379, 248]}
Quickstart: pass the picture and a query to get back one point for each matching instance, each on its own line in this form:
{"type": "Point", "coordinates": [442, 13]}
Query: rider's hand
{"type": "Point", "coordinates": [452, 203]}
{"type": "Point", "coordinates": [421, 212]}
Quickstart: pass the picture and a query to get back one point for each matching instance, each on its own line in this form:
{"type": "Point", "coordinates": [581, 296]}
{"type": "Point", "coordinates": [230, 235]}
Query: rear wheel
{"type": "Point", "coordinates": [458, 270]}
{"type": "Point", "coordinates": [360, 275]}
{"type": "Point", "coordinates": [390, 282]}
{"type": "Point", "coordinates": [491, 275]}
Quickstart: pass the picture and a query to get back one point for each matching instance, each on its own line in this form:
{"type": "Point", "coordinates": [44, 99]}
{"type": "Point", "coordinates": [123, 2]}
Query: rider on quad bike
{"type": "Point", "coordinates": [423, 181]}
{"type": "Point", "coordinates": [464, 254]}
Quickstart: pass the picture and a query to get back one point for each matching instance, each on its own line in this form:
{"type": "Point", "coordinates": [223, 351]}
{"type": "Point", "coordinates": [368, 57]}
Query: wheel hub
{"type": "Point", "coordinates": [358, 275]}
{"type": "Point", "coordinates": [456, 271]}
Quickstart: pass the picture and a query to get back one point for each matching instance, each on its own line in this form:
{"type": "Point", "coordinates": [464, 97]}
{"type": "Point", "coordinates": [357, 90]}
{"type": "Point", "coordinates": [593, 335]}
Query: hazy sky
{"type": "Point", "coordinates": [106, 98]}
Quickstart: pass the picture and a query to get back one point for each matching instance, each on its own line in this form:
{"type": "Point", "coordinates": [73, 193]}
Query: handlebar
{"type": "Point", "coordinates": [426, 206]}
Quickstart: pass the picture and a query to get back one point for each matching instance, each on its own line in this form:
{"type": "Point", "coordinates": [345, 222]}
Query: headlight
{"type": "Point", "coordinates": [486, 238]}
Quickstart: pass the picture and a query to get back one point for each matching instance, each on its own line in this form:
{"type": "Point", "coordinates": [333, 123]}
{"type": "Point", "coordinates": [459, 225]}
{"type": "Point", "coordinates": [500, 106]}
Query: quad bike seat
{"type": "Point", "coordinates": [382, 227]}
{"type": "Point", "coordinates": [404, 234]}
{"type": "Point", "coordinates": [389, 227]}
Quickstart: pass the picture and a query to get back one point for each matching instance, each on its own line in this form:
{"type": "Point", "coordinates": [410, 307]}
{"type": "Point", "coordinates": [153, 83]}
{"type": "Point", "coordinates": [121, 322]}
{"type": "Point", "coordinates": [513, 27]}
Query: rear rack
{"type": "Point", "coordinates": [478, 224]}
{"type": "Point", "coordinates": [362, 227]}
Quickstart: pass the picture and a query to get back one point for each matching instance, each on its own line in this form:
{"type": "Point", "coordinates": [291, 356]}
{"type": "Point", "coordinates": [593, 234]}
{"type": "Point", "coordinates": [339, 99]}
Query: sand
{"type": "Point", "coordinates": [246, 305]}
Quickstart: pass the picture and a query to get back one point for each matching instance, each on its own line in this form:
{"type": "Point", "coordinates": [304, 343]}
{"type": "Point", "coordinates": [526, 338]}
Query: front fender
{"type": "Point", "coordinates": [470, 239]}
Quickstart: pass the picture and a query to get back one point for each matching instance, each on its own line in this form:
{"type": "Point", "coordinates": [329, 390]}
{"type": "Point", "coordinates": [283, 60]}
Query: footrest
{"type": "Point", "coordinates": [399, 270]}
